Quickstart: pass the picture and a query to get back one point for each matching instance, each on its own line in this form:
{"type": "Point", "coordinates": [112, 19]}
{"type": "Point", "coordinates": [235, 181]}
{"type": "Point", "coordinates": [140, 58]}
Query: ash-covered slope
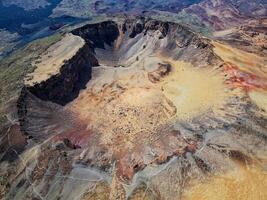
{"type": "Point", "coordinates": [139, 108]}
{"type": "Point", "coordinates": [134, 38]}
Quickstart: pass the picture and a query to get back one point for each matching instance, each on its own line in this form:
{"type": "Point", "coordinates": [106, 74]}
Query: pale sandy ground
{"type": "Point", "coordinates": [245, 61]}
{"type": "Point", "coordinates": [54, 57]}
{"type": "Point", "coordinates": [119, 100]}
{"type": "Point", "coordinates": [126, 103]}
{"type": "Point", "coordinates": [242, 183]}
{"type": "Point", "coordinates": [194, 91]}
{"type": "Point", "coordinates": [259, 97]}
{"type": "Point", "coordinates": [224, 32]}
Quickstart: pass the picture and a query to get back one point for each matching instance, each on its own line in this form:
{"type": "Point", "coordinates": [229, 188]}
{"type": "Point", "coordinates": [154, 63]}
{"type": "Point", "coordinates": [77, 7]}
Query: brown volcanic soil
{"type": "Point", "coordinates": [163, 111]}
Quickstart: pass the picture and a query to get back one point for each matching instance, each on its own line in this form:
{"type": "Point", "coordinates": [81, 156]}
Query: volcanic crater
{"type": "Point", "coordinates": [132, 95]}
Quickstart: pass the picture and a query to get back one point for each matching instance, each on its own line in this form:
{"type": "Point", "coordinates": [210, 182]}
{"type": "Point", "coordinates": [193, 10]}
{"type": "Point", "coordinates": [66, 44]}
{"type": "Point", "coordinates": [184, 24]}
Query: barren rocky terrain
{"type": "Point", "coordinates": [138, 107]}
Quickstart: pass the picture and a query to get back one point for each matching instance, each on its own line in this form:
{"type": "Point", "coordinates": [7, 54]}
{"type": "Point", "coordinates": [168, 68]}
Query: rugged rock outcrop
{"type": "Point", "coordinates": [97, 35]}
{"type": "Point", "coordinates": [162, 71]}
{"type": "Point", "coordinates": [73, 76]}
{"type": "Point", "coordinates": [181, 33]}
{"type": "Point", "coordinates": [58, 90]}
{"type": "Point", "coordinates": [180, 41]}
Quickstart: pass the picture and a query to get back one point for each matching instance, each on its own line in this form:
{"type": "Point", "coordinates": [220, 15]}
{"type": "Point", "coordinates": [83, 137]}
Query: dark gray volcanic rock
{"type": "Point", "coordinates": [65, 86]}
{"type": "Point", "coordinates": [97, 35]}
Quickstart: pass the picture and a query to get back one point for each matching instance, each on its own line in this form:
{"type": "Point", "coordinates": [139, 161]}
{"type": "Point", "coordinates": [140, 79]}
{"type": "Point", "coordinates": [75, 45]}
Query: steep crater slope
{"type": "Point", "coordinates": [156, 112]}
{"type": "Point", "coordinates": [66, 67]}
